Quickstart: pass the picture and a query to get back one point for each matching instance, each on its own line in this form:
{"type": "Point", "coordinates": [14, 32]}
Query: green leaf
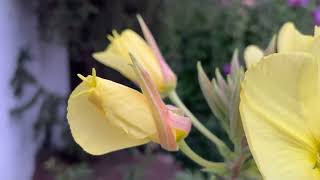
{"type": "Point", "coordinates": [221, 82]}
{"type": "Point", "coordinates": [235, 64]}
{"type": "Point", "coordinates": [209, 92]}
{"type": "Point", "coordinates": [236, 129]}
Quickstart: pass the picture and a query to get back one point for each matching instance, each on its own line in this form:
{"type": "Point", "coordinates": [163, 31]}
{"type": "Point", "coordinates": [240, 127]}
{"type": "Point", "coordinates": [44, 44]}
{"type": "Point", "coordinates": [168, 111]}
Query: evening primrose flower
{"type": "Point", "coordinates": [279, 110]}
{"type": "Point", "coordinates": [279, 101]}
{"type": "Point", "coordinates": [116, 56]}
{"type": "Point", "coordinates": [105, 116]}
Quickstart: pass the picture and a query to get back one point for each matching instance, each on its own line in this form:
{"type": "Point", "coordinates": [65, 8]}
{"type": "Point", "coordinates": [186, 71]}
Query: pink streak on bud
{"type": "Point", "coordinates": [178, 119]}
{"type": "Point", "coordinates": [182, 123]}
{"type": "Point", "coordinates": [159, 110]}
{"type": "Point", "coordinates": [169, 77]}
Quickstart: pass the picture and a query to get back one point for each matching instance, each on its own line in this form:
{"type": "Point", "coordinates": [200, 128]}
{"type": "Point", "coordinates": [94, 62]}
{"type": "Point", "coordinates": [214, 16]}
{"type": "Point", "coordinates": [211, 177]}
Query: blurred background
{"type": "Point", "coordinates": [45, 43]}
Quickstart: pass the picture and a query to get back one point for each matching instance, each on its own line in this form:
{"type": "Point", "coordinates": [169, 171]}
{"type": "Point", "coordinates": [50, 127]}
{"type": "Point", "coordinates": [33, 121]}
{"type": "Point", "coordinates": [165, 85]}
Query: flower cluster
{"type": "Point", "coordinates": [268, 109]}
{"type": "Point", "coordinates": [105, 116]}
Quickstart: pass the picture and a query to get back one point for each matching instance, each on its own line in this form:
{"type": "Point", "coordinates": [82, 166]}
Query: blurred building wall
{"type": "Point", "coordinates": [19, 30]}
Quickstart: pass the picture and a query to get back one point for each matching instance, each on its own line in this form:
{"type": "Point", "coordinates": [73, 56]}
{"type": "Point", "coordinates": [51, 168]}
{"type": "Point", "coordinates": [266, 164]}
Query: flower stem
{"type": "Point", "coordinates": [236, 168]}
{"type": "Point", "coordinates": [222, 147]}
{"type": "Point", "coordinates": [199, 160]}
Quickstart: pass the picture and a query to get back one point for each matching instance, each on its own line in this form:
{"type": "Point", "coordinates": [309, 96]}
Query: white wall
{"type": "Point", "coordinates": [18, 30]}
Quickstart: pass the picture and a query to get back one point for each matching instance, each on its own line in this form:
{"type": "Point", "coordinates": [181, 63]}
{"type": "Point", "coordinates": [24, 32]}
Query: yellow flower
{"type": "Point", "coordinates": [116, 56]}
{"type": "Point", "coordinates": [105, 116]}
{"type": "Point", "coordinates": [279, 105]}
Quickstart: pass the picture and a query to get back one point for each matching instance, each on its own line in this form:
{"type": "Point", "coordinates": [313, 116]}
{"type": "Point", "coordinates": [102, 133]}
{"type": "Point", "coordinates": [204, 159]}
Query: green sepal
{"type": "Point", "coordinates": [212, 97]}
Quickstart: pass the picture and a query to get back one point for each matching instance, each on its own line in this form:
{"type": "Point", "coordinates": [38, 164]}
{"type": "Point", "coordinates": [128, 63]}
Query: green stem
{"type": "Point", "coordinates": [197, 159]}
{"type": "Point", "coordinates": [222, 147]}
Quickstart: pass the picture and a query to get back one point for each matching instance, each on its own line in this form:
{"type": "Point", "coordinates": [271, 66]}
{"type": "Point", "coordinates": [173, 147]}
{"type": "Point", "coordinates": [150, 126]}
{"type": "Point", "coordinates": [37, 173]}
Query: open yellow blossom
{"type": "Point", "coordinates": [116, 56]}
{"type": "Point", "coordinates": [279, 101]}
{"type": "Point", "coordinates": [105, 116]}
{"type": "Point", "coordinates": [279, 108]}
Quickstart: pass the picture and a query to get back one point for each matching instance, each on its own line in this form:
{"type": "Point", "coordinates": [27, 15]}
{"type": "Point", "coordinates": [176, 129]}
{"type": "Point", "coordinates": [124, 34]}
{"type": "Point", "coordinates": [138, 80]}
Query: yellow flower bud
{"type": "Point", "coordinates": [105, 116]}
{"type": "Point", "coordinates": [252, 55]}
{"type": "Point", "coordinates": [116, 56]}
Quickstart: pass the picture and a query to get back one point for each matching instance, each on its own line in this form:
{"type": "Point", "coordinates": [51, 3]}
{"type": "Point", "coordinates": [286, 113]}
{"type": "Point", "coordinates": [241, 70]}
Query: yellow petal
{"type": "Point", "coordinates": [252, 55]}
{"type": "Point", "coordinates": [109, 117]}
{"type": "Point", "coordinates": [117, 62]}
{"type": "Point", "coordinates": [117, 56]}
{"type": "Point", "coordinates": [126, 108]}
{"type": "Point", "coordinates": [291, 40]}
{"type": "Point", "coordinates": [277, 156]}
{"type": "Point", "coordinates": [315, 49]}
{"type": "Point", "coordinates": [309, 93]}
{"type": "Point", "coordinates": [276, 126]}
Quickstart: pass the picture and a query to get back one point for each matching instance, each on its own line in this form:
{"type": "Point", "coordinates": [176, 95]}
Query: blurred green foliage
{"type": "Point", "coordinates": [69, 172]}
{"type": "Point", "coordinates": [188, 175]}
{"type": "Point", "coordinates": [84, 24]}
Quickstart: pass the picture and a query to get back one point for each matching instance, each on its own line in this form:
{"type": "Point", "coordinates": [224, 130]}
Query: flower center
{"type": "Point", "coordinates": [91, 82]}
